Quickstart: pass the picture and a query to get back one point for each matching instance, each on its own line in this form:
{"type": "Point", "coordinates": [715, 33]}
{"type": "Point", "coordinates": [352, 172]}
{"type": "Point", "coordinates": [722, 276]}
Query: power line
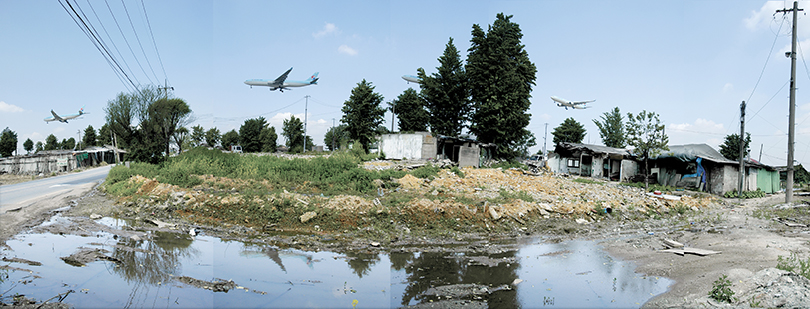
{"type": "Point", "coordinates": [126, 41]}
{"type": "Point", "coordinates": [153, 41]}
{"type": "Point", "coordinates": [112, 41]}
{"type": "Point", "coordinates": [139, 41]}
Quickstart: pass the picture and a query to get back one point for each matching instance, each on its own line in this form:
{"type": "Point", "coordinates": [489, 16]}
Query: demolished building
{"type": "Point", "coordinates": [426, 146]}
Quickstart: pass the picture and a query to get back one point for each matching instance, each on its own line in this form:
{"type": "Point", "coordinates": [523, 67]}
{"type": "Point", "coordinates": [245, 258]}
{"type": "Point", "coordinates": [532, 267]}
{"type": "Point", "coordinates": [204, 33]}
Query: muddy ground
{"type": "Point", "coordinates": [748, 238]}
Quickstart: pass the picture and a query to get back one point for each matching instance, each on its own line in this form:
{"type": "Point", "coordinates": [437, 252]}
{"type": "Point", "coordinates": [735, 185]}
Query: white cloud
{"type": "Point", "coordinates": [328, 29]}
{"type": "Point", "coordinates": [345, 49]}
{"type": "Point", "coordinates": [701, 131]}
{"type": "Point", "coordinates": [728, 87]}
{"type": "Point", "coordinates": [10, 108]}
{"type": "Point", "coordinates": [762, 19]}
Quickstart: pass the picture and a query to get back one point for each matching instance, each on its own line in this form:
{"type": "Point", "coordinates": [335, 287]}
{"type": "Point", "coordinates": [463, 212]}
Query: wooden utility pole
{"type": "Point", "coordinates": [165, 89]}
{"type": "Point", "coordinates": [742, 150]}
{"type": "Point", "coordinates": [792, 115]}
{"type": "Point", "coordinates": [306, 103]}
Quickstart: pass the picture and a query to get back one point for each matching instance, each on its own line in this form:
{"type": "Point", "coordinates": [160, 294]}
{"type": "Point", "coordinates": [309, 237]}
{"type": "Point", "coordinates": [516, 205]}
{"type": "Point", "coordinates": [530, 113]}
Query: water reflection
{"type": "Point", "coordinates": [430, 269]}
{"type": "Point", "coordinates": [154, 261]}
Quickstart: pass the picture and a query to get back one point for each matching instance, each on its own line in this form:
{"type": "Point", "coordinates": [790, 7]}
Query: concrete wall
{"type": "Point", "coordinates": [469, 155]}
{"type": "Point", "coordinates": [629, 168]}
{"type": "Point", "coordinates": [597, 166]}
{"type": "Point", "coordinates": [399, 146]}
{"type": "Point", "coordinates": [428, 145]}
{"type": "Point", "coordinates": [30, 165]}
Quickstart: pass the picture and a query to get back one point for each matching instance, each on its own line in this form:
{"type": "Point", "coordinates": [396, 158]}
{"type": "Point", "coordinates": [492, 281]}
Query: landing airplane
{"type": "Point", "coordinates": [280, 83]}
{"type": "Point", "coordinates": [411, 79]}
{"type": "Point", "coordinates": [64, 118]}
{"type": "Point", "coordinates": [574, 105]}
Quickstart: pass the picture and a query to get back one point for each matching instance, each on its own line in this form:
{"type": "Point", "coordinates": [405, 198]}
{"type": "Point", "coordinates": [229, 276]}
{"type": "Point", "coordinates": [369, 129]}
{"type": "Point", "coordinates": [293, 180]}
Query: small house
{"type": "Point", "coordinates": [593, 161]}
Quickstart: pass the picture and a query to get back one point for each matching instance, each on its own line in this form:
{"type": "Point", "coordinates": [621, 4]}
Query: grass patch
{"type": "Point", "coordinates": [588, 180]}
{"type": "Point", "coordinates": [721, 290]}
{"type": "Point", "coordinates": [794, 264]}
{"type": "Point", "coordinates": [652, 187]}
{"type": "Point", "coordinates": [509, 164]}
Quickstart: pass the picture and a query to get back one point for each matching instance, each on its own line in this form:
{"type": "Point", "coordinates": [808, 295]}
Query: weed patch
{"type": "Point", "coordinates": [721, 290]}
{"type": "Point", "coordinates": [794, 264]}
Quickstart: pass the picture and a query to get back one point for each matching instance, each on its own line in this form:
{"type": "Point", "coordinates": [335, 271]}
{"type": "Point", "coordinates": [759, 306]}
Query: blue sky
{"type": "Point", "coordinates": [692, 62]}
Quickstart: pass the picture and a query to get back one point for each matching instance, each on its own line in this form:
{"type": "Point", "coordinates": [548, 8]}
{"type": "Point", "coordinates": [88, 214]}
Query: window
{"type": "Point", "coordinates": [573, 163]}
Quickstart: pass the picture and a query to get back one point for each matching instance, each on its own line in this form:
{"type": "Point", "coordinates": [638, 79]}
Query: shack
{"type": "Point", "coordinates": [426, 146]}
{"type": "Point", "coordinates": [54, 161]}
{"type": "Point", "coordinates": [593, 161]}
{"type": "Point", "coordinates": [701, 167]}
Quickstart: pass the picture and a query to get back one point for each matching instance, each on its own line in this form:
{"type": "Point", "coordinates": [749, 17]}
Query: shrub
{"type": "Point", "coordinates": [794, 264]}
{"type": "Point", "coordinates": [721, 290]}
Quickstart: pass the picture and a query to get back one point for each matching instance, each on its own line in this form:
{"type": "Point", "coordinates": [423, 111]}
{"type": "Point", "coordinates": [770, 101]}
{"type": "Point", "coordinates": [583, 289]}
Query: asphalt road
{"type": "Point", "coordinates": [16, 195]}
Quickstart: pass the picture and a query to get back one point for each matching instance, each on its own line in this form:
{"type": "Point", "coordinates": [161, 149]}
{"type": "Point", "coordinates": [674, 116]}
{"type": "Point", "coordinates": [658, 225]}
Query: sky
{"type": "Point", "coordinates": [691, 62]}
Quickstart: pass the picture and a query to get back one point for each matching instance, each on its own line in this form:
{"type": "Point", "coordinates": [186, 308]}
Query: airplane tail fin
{"type": "Point", "coordinates": [81, 110]}
{"type": "Point", "coordinates": [313, 79]}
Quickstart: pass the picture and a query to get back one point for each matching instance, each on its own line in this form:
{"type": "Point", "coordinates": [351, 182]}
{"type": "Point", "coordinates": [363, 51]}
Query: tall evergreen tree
{"type": "Point", "coordinates": [269, 139]}
{"type": "Point", "coordinates": [569, 131]}
{"type": "Point", "coordinates": [104, 136]}
{"type": "Point", "coordinates": [89, 139]}
{"type": "Point", "coordinates": [731, 146]}
{"type": "Point", "coordinates": [293, 131]}
{"type": "Point", "coordinates": [446, 94]}
{"type": "Point", "coordinates": [51, 142]}
{"type": "Point", "coordinates": [39, 147]}
{"type": "Point", "coordinates": [410, 109]}
{"type": "Point", "coordinates": [336, 137]}
{"type": "Point", "coordinates": [362, 113]}
{"type": "Point", "coordinates": [501, 78]}
{"type": "Point", "coordinates": [8, 142]}
{"type": "Point", "coordinates": [611, 128]}
{"type": "Point", "coordinates": [250, 134]}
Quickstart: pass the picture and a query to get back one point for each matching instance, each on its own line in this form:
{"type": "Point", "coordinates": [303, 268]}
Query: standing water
{"type": "Point", "coordinates": [174, 270]}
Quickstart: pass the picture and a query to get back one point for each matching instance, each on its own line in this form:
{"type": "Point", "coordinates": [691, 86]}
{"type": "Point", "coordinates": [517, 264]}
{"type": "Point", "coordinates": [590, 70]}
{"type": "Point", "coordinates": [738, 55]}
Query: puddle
{"type": "Point", "coordinates": [160, 270]}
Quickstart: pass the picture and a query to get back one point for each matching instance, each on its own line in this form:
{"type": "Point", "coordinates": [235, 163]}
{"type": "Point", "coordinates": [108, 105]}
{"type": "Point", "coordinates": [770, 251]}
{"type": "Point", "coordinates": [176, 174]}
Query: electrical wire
{"type": "Point", "coordinates": [127, 41]}
{"type": "Point", "coordinates": [153, 41]}
{"type": "Point", "coordinates": [139, 40]}
{"type": "Point", "coordinates": [112, 42]}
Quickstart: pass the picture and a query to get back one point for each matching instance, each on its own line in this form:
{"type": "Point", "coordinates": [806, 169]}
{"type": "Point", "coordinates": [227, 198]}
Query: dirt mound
{"type": "Point", "coordinates": [777, 288]}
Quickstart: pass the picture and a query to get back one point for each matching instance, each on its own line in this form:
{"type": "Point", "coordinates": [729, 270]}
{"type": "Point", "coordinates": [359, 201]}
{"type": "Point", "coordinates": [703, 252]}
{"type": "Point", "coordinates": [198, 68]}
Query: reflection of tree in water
{"type": "Point", "coordinates": [361, 263]}
{"type": "Point", "coordinates": [443, 268]}
{"type": "Point", "coordinates": [401, 260]}
{"type": "Point", "coordinates": [152, 261]}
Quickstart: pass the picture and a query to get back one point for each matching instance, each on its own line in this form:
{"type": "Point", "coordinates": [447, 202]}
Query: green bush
{"type": "Point", "coordinates": [721, 290]}
{"type": "Point", "coordinates": [794, 264]}
{"type": "Point", "coordinates": [426, 171]}
{"type": "Point", "coordinates": [745, 194]}
{"type": "Point", "coordinates": [509, 164]}
{"type": "Point", "coordinates": [457, 171]}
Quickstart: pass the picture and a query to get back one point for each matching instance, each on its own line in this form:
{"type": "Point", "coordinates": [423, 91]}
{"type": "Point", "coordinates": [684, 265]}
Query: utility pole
{"type": "Point", "coordinates": [334, 131]}
{"type": "Point", "coordinates": [792, 115]}
{"type": "Point", "coordinates": [306, 103]}
{"type": "Point", "coordinates": [742, 150]}
{"type": "Point", "coordinates": [392, 118]}
{"type": "Point", "coordinates": [545, 136]}
{"type": "Point", "coordinates": [760, 153]}
{"type": "Point", "coordinates": [165, 89]}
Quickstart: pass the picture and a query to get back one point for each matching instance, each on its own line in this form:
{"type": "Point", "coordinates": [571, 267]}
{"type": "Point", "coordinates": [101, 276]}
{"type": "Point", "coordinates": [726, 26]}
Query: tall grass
{"type": "Point", "coordinates": [339, 173]}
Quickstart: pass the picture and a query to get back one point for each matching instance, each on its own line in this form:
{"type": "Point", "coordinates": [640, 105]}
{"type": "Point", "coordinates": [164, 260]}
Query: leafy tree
{"type": "Point", "coordinates": [569, 131]}
{"type": "Point", "coordinates": [28, 145]}
{"type": "Point", "coordinates": [362, 113]}
{"type": "Point", "coordinates": [646, 134]}
{"type": "Point", "coordinates": [8, 142]}
{"type": "Point", "coordinates": [167, 115]}
{"type": "Point", "coordinates": [230, 138]}
{"type": "Point", "coordinates": [68, 144]}
{"type": "Point", "coordinates": [250, 134]}
{"type": "Point", "coordinates": [269, 139]}
{"type": "Point", "coordinates": [293, 131]}
{"type": "Point", "coordinates": [39, 147]}
{"type": "Point", "coordinates": [51, 143]}
{"type": "Point", "coordinates": [212, 137]}
{"type": "Point", "coordinates": [337, 136]}
{"type": "Point", "coordinates": [410, 109]}
{"type": "Point", "coordinates": [446, 94]}
{"type": "Point", "coordinates": [89, 138]}
{"type": "Point", "coordinates": [501, 77]}
{"type": "Point", "coordinates": [180, 138]}
{"type": "Point", "coordinates": [197, 135]}
{"type": "Point", "coordinates": [146, 143]}
{"type": "Point", "coordinates": [611, 128]}
{"type": "Point", "coordinates": [130, 110]}
{"type": "Point", "coordinates": [104, 136]}
{"type": "Point", "coordinates": [731, 146]}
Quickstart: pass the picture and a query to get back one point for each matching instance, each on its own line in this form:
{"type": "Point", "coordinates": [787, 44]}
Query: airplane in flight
{"type": "Point", "coordinates": [64, 119]}
{"type": "Point", "coordinates": [282, 83]}
{"type": "Point", "coordinates": [411, 78]}
{"type": "Point", "coordinates": [575, 105]}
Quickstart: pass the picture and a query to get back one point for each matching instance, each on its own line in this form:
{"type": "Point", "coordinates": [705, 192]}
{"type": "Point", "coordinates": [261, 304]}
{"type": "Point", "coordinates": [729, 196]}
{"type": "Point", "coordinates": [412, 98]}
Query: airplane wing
{"type": "Point", "coordinates": [582, 102]}
{"type": "Point", "coordinates": [56, 117]}
{"type": "Point", "coordinates": [280, 80]}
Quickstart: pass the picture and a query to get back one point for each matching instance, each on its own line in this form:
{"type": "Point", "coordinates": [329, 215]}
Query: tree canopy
{"type": "Point", "coordinates": [250, 134]}
{"type": "Point", "coordinates": [569, 131]}
{"type": "Point", "coordinates": [731, 146]}
{"type": "Point", "coordinates": [89, 138]}
{"type": "Point", "coordinates": [269, 139]}
{"type": "Point", "coordinates": [646, 134]}
{"type": "Point", "coordinates": [611, 128]}
{"type": "Point", "coordinates": [362, 113]}
{"type": "Point", "coordinates": [197, 136]}
{"type": "Point", "coordinates": [51, 143]}
{"type": "Point", "coordinates": [28, 145]}
{"type": "Point", "coordinates": [293, 132]}
{"type": "Point", "coordinates": [212, 137]}
{"type": "Point", "coordinates": [410, 109]}
{"type": "Point", "coordinates": [446, 93]}
{"type": "Point", "coordinates": [8, 142]}
{"type": "Point", "coordinates": [337, 137]}
{"type": "Point", "coordinates": [230, 138]}
{"type": "Point", "coordinates": [501, 77]}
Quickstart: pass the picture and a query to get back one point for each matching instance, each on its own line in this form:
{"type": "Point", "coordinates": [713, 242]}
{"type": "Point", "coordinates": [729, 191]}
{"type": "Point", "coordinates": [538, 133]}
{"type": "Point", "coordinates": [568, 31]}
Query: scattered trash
{"type": "Point", "coordinates": [95, 216]}
{"type": "Point", "coordinates": [516, 282]}
{"type": "Point", "coordinates": [695, 251]}
{"type": "Point", "coordinates": [672, 244]}
{"type": "Point", "coordinates": [788, 223]}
